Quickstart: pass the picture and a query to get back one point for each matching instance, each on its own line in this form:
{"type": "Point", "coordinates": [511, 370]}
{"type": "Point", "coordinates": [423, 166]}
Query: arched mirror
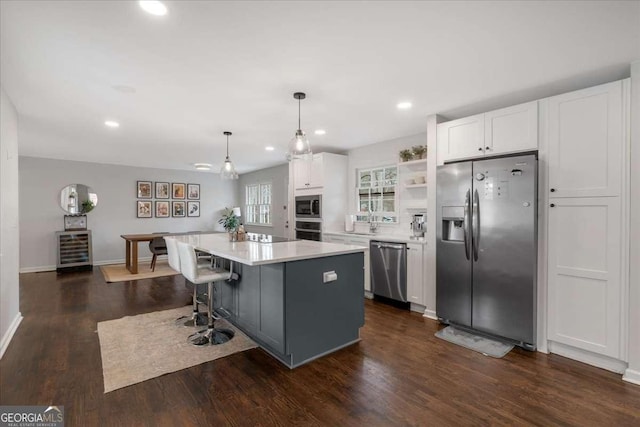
{"type": "Point", "coordinates": [78, 199]}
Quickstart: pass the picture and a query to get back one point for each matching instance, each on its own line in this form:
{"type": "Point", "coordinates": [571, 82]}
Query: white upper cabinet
{"type": "Point", "coordinates": [415, 278]}
{"type": "Point", "coordinates": [461, 139]}
{"type": "Point", "coordinates": [308, 173]}
{"type": "Point", "coordinates": [508, 130]}
{"type": "Point", "coordinates": [512, 129]}
{"type": "Point", "coordinates": [585, 142]}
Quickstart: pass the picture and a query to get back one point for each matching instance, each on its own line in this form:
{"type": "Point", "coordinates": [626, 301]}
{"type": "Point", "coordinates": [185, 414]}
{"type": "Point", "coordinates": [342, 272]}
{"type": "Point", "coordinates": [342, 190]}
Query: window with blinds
{"type": "Point", "coordinates": [258, 204]}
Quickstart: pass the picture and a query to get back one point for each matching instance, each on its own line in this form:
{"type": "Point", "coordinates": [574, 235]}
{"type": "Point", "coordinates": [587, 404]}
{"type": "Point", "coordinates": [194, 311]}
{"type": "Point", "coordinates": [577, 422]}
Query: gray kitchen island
{"type": "Point", "coordinates": [299, 300]}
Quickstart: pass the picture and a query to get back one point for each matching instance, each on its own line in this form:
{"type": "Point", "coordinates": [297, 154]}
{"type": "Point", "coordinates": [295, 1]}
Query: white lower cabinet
{"type": "Point", "coordinates": [367, 267]}
{"type": "Point", "coordinates": [584, 273]}
{"type": "Point", "coordinates": [415, 287]}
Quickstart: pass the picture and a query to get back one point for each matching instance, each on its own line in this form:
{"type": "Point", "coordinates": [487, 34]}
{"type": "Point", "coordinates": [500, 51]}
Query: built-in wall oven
{"type": "Point", "coordinates": [309, 206]}
{"type": "Point", "coordinates": [309, 229]}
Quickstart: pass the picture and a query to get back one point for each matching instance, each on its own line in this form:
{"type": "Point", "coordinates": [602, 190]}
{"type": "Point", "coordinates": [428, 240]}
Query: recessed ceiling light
{"type": "Point", "coordinates": [320, 132]}
{"type": "Point", "coordinates": [153, 7]}
{"type": "Point", "coordinates": [269, 148]}
{"type": "Point", "coordinates": [404, 105]}
{"type": "Point", "coordinates": [111, 124]}
{"type": "Point", "coordinates": [202, 166]}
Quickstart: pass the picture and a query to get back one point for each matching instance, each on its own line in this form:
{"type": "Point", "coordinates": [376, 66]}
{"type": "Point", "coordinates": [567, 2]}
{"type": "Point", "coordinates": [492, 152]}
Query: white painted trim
{"type": "Point", "coordinates": [543, 220]}
{"type": "Point", "coordinates": [430, 314]}
{"type": "Point", "coordinates": [43, 268]}
{"type": "Point", "coordinates": [6, 339]}
{"type": "Point", "coordinates": [631, 376]}
{"type": "Point", "coordinates": [38, 269]}
{"type": "Point", "coordinates": [584, 356]}
{"type": "Point", "coordinates": [418, 308]}
{"type": "Point", "coordinates": [625, 194]}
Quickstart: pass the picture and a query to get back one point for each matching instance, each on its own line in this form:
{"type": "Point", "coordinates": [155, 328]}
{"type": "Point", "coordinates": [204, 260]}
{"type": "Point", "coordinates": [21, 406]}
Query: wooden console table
{"type": "Point", "coordinates": [132, 240]}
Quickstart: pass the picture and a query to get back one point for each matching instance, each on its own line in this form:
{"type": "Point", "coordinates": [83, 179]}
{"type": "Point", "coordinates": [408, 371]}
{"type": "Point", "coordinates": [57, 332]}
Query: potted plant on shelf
{"type": "Point", "coordinates": [230, 222]}
{"type": "Point", "coordinates": [419, 151]}
{"type": "Point", "coordinates": [406, 155]}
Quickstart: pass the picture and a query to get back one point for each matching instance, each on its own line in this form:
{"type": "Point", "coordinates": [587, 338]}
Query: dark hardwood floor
{"type": "Point", "coordinates": [399, 374]}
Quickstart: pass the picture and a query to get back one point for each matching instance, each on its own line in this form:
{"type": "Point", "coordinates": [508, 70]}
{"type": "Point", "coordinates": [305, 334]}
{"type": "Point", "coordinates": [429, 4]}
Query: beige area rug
{"type": "Point", "coordinates": [119, 272]}
{"type": "Point", "coordinates": [138, 348]}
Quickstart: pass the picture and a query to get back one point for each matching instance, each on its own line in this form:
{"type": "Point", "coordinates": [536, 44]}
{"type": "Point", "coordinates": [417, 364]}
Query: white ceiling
{"type": "Point", "coordinates": [208, 67]}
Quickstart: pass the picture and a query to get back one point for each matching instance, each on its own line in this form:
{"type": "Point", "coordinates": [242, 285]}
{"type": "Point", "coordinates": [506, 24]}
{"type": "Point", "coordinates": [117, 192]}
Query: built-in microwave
{"type": "Point", "coordinates": [309, 206]}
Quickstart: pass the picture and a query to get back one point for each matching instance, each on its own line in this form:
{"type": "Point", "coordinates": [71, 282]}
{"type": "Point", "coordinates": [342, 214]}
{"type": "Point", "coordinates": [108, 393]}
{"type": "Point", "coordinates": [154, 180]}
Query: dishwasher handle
{"type": "Point", "coordinates": [388, 245]}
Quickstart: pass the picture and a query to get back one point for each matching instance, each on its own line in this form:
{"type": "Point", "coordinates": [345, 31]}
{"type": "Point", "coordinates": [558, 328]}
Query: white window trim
{"type": "Point", "coordinates": [259, 224]}
{"type": "Point", "coordinates": [378, 215]}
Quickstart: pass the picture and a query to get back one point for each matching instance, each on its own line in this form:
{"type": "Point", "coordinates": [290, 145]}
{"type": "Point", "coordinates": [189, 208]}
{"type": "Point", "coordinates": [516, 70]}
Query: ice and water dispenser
{"type": "Point", "coordinates": [453, 223]}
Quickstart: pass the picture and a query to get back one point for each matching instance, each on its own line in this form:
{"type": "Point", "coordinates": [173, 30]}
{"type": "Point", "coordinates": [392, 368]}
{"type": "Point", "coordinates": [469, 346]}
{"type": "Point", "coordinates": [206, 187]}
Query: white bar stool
{"type": "Point", "coordinates": [189, 269]}
{"type": "Point", "coordinates": [197, 318]}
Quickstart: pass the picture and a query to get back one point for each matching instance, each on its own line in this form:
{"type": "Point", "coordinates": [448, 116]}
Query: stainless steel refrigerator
{"type": "Point", "coordinates": [487, 247]}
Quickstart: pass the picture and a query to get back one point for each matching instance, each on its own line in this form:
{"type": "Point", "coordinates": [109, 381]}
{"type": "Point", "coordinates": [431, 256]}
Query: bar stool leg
{"type": "Point", "coordinates": [212, 335]}
{"type": "Point", "coordinates": [197, 318]}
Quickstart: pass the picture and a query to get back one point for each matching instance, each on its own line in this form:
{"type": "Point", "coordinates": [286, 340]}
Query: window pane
{"type": "Point", "coordinates": [265, 194]}
{"type": "Point", "coordinates": [377, 175]}
{"type": "Point", "coordinates": [365, 178]}
{"type": "Point", "coordinates": [388, 205]}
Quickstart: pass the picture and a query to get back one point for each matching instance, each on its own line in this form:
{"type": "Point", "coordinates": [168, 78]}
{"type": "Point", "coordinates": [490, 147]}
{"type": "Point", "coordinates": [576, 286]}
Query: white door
{"type": "Point", "coordinates": [460, 139]}
{"type": "Point", "coordinates": [316, 172]}
{"type": "Point", "coordinates": [367, 268]}
{"type": "Point", "coordinates": [585, 142]}
{"type": "Point", "coordinates": [584, 273]}
{"type": "Point", "coordinates": [415, 288]}
{"type": "Point", "coordinates": [511, 130]}
{"type": "Point", "coordinates": [301, 170]}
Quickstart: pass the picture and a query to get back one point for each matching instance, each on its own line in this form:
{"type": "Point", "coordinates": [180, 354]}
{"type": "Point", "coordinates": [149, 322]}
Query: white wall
{"type": "Point", "coordinates": [41, 216]}
{"type": "Point", "coordinates": [278, 176]}
{"type": "Point", "coordinates": [632, 374]}
{"type": "Point", "coordinates": [383, 154]}
{"type": "Point", "coordinates": [9, 238]}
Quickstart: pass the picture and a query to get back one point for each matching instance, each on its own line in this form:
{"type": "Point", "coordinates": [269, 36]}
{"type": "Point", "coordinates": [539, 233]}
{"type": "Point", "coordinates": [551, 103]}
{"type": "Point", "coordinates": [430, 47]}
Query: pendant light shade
{"type": "Point", "coordinates": [299, 147]}
{"type": "Point", "coordinates": [228, 170]}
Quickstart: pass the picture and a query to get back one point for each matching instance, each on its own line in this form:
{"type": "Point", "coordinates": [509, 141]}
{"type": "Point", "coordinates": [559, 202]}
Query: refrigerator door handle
{"type": "Point", "coordinates": [467, 205]}
{"type": "Point", "coordinates": [475, 225]}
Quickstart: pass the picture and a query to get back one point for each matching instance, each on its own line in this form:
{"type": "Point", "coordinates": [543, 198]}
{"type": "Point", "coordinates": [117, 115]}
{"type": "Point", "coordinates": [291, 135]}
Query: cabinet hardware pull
{"type": "Point", "coordinates": [488, 148]}
{"type": "Point", "coordinates": [480, 149]}
{"type": "Point", "coordinates": [552, 205]}
{"type": "Point", "coordinates": [553, 190]}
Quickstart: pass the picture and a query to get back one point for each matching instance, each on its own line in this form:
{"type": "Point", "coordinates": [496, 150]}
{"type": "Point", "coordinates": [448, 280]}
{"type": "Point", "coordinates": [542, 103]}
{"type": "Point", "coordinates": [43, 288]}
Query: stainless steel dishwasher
{"type": "Point", "coordinates": [389, 270]}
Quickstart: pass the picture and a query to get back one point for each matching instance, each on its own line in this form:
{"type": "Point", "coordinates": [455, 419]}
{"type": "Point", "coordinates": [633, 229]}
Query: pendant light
{"type": "Point", "coordinates": [299, 147]}
{"type": "Point", "coordinates": [228, 171]}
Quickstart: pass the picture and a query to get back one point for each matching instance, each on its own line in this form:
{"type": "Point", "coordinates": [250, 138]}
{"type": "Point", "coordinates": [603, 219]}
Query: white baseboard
{"type": "Point", "coordinates": [6, 339]}
{"type": "Point", "coordinates": [632, 376]}
{"type": "Point", "coordinates": [431, 314]}
{"type": "Point", "coordinates": [37, 269]}
{"type": "Point", "coordinates": [44, 268]}
{"type": "Point", "coordinates": [584, 356]}
{"type": "Point", "coordinates": [418, 308]}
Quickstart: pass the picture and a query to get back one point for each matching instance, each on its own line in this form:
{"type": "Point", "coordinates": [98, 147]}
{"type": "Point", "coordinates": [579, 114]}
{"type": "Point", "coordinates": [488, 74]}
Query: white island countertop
{"type": "Point", "coordinates": [255, 253]}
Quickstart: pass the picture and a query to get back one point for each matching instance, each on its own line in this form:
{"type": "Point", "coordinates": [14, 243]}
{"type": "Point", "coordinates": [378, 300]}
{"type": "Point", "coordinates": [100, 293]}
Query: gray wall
{"type": "Point", "coordinates": [9, 241]}
{"type": "Point", "coordinates": [41, 216]}
{"type": "Point", "coordinates": [278, 176]}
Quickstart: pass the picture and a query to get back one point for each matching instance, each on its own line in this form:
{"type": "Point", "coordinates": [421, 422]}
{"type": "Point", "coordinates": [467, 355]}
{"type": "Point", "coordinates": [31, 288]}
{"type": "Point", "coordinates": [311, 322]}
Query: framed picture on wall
{"type": "Point", "coordinates": [193, 191]}
{"type": "Point", "coordinates": [178, 209]}
{"type": "Point", "coordinates": [193, 208]}
{"type": "Point", "coordinates": [144, 190]}
{"type": "Point", "coordinates": [162, 209]}
{"type": "Point", "coordinates": [178, 190]}
{"type": "Point", "coordinates": [162, 190]}
{"type": "Point", "coordinates": [144, 209]}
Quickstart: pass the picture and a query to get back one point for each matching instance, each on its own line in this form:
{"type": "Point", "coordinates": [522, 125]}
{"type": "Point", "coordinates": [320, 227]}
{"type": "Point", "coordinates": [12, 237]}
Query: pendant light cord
{"type": "Point", "coordinates": [227, 146]}
{"type": "Point", "coordinates": [299, 128]}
